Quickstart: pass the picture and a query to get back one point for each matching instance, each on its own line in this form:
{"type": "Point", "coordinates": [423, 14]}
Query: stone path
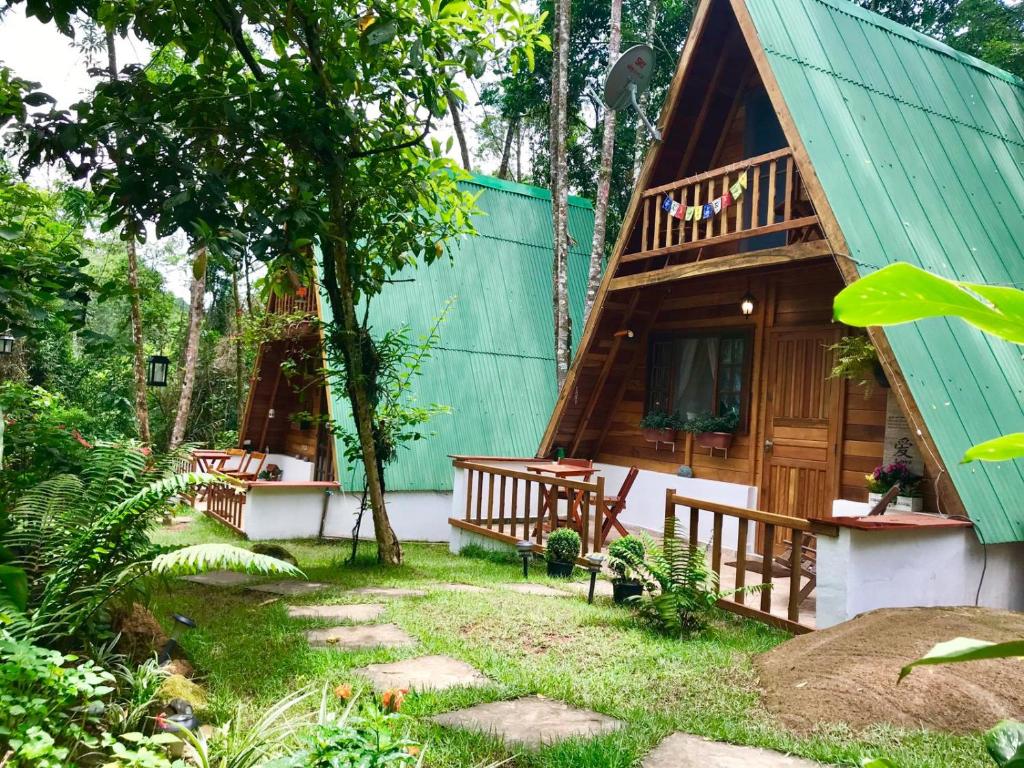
{"type": "Point", "coordinates": [426, 673]}
{"type": "Point", "coordinates": [602, 588]}
{"type": "Point", "coordinates": [463, 588]}
{"type": "Point", "coordinates": [681, 750]}
{"type": "Point", "coordinates": [352, 638]}
{"type": "Point", "coordinates": [388, 592]}
{"type": "Point", "coordinates": [289, 587]}
{"type": "Point", "coordinates": [220, 579]}
{"type": "Point", "coordinates": [530, 722]}
{"type": "Point", "coordinates": [526, 588]}
{"type": "Point", "coordinates": [359, 612]}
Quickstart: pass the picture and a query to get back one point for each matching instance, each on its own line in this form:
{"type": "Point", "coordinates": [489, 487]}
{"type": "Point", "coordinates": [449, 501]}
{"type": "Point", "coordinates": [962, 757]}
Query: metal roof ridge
{"type": "Point", "coordinates": [860, 13]}
{"type": "Point", "coordinates": [895, 97]}
{"type": "Point", "coordinates": [519, 188]}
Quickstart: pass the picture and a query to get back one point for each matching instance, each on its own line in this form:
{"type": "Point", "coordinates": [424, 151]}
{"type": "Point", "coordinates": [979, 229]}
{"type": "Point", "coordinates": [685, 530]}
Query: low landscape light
{"type": "Point", "coordinates": [594, 562]}
{"type": "Point", "coordinates": [156, 372]}
{"type": "Point", "coordinates": [525, 549]}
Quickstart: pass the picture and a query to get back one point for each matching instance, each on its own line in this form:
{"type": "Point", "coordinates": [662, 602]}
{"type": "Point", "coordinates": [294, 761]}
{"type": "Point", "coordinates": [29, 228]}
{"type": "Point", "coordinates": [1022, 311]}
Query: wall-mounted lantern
{"type": "Point", "coordinates": [747, 305]}
{"type": "Point", "coordinates": [6, 343]}
{"type": "Point", "coordinates": [156, 373]}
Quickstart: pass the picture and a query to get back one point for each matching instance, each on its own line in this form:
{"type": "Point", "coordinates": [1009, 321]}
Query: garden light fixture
{"type": "Point", "coordinates": [156, 373]}
{"type": "Point", "coordinates": [181, 623]}
{"type": "Point", "coordinates": [747, 305]}
{"type": "Point", "coordinates": [594, 562]}
{"type": "Point", "coordinates": [6, 343]}
{"type": "Point", "coordinates": [525, 549]}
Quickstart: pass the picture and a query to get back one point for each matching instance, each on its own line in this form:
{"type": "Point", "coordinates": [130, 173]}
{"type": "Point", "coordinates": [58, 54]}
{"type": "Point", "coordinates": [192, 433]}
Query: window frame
{"type": "Point", "coordinates": [748, 336]}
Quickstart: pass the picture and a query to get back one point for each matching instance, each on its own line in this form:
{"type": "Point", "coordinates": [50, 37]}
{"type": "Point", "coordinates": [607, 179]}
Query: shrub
{"type": "Point", "coordinates": [563, 546]}
{"type": "Point", "coordinates": [622, 552]}
{"type": "Point", "coordinates": [709, 422]}
{"type": "Point", "coordinates": [656, 418]}
{"type": "Point", "coordinates": [885, 477]}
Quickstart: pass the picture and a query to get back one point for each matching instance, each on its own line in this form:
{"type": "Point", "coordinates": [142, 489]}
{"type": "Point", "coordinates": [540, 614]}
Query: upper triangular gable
{"type": "Point", "coordinates": [918, 156]}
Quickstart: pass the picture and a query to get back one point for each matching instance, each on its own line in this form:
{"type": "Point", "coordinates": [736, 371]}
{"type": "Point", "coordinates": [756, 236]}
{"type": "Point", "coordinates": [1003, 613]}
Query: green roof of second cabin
{"type": "Point", "coordinates": [494, 366]}
{"type": "Point", "coordinates": [920, 151]}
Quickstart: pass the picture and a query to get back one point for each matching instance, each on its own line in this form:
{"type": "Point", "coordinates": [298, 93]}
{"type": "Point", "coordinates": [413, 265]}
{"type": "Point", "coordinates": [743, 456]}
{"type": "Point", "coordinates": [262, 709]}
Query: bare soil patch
{"type": "Point", "coordinates": [847, 673]}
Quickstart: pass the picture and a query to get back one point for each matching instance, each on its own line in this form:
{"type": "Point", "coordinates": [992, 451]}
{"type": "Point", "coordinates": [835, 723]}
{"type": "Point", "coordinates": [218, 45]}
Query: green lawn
{"type": "Point", "coordinates": [597, 657]}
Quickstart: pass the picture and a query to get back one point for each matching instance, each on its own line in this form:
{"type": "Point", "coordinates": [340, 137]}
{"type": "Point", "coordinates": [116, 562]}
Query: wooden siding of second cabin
{"type": "Point", "coordinates": [786, 299]}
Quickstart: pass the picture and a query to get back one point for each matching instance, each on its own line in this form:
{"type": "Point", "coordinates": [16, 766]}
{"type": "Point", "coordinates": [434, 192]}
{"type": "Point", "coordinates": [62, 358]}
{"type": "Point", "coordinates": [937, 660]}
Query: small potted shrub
{"type": "Point", "coordinates": [857, 360]}
{"type": "Point", "coordinates": [563, 549]}
{"type": "Point", "coordinates": [623, 555]}
{"type": "Point", "coordinates": [660, 426]}
{"type": "Point", "coordinates": [712, 431]}
{"type": "Point", "coordinates": [898, 473]}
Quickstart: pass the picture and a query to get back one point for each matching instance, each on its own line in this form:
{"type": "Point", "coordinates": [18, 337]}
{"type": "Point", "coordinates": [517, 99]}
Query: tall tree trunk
{"type": "Point", "coordinates": [134, 298]}
{"type": "Point", "coordinates": [346, 340]}
{"type": "Point", "coordinates": [560, 188]}
{"type": "Point", "coordinates": [239, 381]}
{"type": "Point", "coordinates": [453, 107]}
{"type": "Point", "coordinates": [642, 139]}
{"type": "Point", "coordinates": [195, 327]}
{"type": "Point", "coordinates": [519, 152]}
{"type": "Point", "coordinates": [604, 177]}
{"type": "Point", "coordinates": [506, 152]}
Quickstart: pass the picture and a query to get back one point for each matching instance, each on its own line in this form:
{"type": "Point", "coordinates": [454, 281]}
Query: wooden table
{"type": "Point", "coordinates": [561, 471]}
{"type": "Point", "coordinates": [210, 460]}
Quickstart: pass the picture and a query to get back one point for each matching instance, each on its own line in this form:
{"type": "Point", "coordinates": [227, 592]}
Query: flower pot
{"type": "Point", "coordinates": [908, 504]}
{"type": "Point", "coordinates": [719, 440]}
{"type": "Point", "coordinates": [560, 570]}
{"type": "Point", "coordinates": [660, 435]}
{"type": "Point", "coordinates": [623, 589]}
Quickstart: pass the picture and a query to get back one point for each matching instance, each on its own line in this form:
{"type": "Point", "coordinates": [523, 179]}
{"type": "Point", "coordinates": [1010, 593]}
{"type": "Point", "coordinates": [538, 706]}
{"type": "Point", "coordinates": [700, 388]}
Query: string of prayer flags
{"type": "Point", "coordinates": [707, 210]}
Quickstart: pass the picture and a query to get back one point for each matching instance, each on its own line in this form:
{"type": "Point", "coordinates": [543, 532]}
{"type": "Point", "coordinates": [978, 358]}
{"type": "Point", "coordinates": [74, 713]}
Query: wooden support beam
{"type": "Point", "coordinates": [765, 258]}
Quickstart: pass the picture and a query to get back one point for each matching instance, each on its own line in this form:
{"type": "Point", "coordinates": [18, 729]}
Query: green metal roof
{"type": "Point", "coordinates": [920, 150]}
{"type": "Point", "coordinates": [495, 365]}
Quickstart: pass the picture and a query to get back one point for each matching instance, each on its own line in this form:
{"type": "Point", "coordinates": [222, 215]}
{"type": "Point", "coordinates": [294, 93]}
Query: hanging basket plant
{"type": "Point", "coordinates": [857, 360]}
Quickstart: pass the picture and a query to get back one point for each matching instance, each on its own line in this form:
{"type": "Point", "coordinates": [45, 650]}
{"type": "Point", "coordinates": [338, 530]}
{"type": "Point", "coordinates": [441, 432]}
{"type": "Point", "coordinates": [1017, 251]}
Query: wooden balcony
{"type": "Point", "coordinates": [774, 201]}
{"type": "Point", "coordinates": [292, 303]}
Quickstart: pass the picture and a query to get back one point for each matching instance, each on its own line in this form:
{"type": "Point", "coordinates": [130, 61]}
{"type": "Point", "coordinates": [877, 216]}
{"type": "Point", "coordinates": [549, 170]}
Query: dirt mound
{"type": "Point", "coordinates": [847, 673]}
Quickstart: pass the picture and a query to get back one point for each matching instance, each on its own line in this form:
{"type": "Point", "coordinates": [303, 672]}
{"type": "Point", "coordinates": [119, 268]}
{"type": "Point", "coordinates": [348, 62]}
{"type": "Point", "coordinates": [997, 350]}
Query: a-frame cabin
{"type": "Point", "coordinates": [806, 143]}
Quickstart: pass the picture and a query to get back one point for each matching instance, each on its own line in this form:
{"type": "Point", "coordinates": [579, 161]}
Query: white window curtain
{"type": "Point", "coordinates": [695, 375]}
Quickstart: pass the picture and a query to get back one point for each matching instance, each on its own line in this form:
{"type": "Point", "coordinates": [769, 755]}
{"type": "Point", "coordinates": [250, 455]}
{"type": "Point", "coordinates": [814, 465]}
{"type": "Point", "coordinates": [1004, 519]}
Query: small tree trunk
{"type": "Point", "coordinates": [605, 174]}
{"type": "Point", "coordinates": [195, 326]}
{"type": "Point", "coordinates": [506, 152]}
{"type": "Point", "coordinates": [642, 139]}
{"type": "Point", "coordinates": [346, 340]}
{"type": "Point", "coordinates": [560, 189]}
{"type": "Point", "coordinates": [453, 107]}
{"type": "Point", "coordinates": [239, 380]}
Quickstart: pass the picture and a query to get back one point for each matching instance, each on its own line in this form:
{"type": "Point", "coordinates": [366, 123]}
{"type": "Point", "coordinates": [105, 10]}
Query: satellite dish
{"type": "Point", "coordinates": [629, 77]}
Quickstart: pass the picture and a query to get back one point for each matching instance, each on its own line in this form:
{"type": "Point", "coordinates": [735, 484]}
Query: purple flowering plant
{"type": "Point", "coordinates": [886, 476]}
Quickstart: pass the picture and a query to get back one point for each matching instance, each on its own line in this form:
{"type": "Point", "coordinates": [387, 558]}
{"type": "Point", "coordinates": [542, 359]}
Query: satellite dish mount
{"type": "Point", "coordinates": [628, 78]}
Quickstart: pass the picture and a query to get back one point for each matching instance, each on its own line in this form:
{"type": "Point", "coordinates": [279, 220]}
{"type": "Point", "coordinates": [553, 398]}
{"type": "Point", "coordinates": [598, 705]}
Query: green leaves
{"type": "Point", "coordinates": [1005, 743]}
{"type": "Point", "coordinates": [999, 449]}
{"type": "Point", "coordinates": [199, 558]}
{"type": "Point", "coordinates": [13, 587]}
{"type": "Point", "coordinates": [963, 649]}
{"type": "Point", "coordinates": [903, 293]}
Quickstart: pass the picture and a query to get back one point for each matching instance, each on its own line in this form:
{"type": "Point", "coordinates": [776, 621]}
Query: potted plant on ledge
{"type": "Point", "coordinates": [622, 552]}
{"type": "Point", "coordinates": [714, 432]}
{"type": "Point", "coordinates": [660, 426]}
{"type": "Point", "coordinates": [563, 549]}
{"type": "Point", "coordinates": [898, 473]}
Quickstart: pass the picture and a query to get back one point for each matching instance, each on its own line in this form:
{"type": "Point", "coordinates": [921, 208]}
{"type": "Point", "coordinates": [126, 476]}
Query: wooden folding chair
{"type": "Point", "coordinates": [616, 505]}
{"type": "Point", "coordinates": [808, 562]}
{"type": "Point", "coordinates": [234, 453]}
{"type": "Point", "coordinates": [252, 466]}
{"type": "Point", "coordinates": [574, 503]}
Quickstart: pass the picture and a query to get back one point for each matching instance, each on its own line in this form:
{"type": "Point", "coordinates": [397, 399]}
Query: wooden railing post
{"type": "Point", "coordinates": [469, 494]}
{"type": "Point", "coordinates": [741, 559]}
{"type": "Point", "coordinates": [766, 567]}
{"type": "Point", "coordinates": [795, 571]}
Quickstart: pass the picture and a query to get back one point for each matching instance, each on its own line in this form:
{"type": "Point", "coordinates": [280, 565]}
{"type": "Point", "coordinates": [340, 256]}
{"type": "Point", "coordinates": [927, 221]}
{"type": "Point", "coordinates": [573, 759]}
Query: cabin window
{"type": "Point", "coordinates": [693, 374]}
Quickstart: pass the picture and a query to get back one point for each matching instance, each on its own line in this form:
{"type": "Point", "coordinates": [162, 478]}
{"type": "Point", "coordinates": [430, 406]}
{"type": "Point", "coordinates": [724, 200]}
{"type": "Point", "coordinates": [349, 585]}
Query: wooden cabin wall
{"type": "Point", "coordinates": [788, 298]}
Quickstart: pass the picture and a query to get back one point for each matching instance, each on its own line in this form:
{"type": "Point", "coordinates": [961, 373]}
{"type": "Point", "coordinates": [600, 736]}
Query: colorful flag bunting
{"type": "Point", "coordinates": [673, 208]}
{"type": "Point", "coordinates": [679, 212]}
{"type": "Point", "coordinates": [709, 211]}
{"type": "Point", "coordinates": [736, 190]}
{"type": "Point", "coordinates": [717, 204]}
{"type": "Point", "coordinates": [689, 212]}
{"type": "Point", "coordinates": [743, 180]}
{"type": "Point", "coordinates": [666, 204]}
{"type": "Point", "coordinates": [727, 199]}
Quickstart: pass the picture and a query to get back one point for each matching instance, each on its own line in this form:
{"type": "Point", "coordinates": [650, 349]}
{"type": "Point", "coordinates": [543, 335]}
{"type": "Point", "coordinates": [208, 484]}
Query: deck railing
{"type": "Point", "coordinates": [291, 303]}
{"type": "Point", "coordinates": [794, 558]}
{"type": "Point", "coordinates": [226, 504]}
{"type": "Point", "coordinates": [511, 505]}
{"type": "Point", "coordinates": [767, 205]}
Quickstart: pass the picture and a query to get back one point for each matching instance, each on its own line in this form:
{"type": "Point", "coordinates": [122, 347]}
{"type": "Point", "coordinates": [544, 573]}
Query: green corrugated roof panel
{"type": "Point", "coordinates": [920, 150]}
{"type": "Point", "coordinates": [495, 364]}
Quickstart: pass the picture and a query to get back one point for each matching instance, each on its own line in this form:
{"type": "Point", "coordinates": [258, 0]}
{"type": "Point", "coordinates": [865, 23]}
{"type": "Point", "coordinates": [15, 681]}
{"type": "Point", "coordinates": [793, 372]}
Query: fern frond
{"type": "Point", "coordinates": [199, 558]}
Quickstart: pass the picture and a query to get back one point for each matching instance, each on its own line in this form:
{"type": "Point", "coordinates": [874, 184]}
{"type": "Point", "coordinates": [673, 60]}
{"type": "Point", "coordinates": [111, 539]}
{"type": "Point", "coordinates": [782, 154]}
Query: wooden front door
{"type": "Point", "coordinates": [802, 423]}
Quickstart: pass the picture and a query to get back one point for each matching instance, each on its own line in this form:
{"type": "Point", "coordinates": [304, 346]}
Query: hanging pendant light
{"type": "Point", "coordinates": [156, 372]}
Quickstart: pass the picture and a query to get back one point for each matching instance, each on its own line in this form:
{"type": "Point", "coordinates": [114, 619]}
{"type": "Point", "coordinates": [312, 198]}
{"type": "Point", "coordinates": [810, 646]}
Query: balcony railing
{"type": "Point", "coordinates": [771, 202]}
{"type": "Point", "coordinates": [292, 303]}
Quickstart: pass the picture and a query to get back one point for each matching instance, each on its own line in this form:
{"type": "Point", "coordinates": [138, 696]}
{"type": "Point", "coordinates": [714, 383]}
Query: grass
{"type": "Point", "coordinates": [598, 657]}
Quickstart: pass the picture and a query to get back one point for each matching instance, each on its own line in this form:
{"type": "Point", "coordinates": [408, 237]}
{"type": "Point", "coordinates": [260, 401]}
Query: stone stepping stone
{"type": "Point", "coordinates": [388, 592]}
{"type": "Point", "coordinates": [426, 673]}
{"type": "Point", "coordinates": [464, 588]}
{"type": "Point", "coordinates": [360, 637]}
{"type": "Point", "coordinates": [681, 750]}
{"type": "Point", "coordinates": [530, 722]}
{"type": "Point", "coordinates": [220, 579]}
{"type": "Point", "coordinates": [289, 587]}
{"type": "Point", "coordinates": [526, 588]}
{"type": "Point", "coordinates": [360, 612]}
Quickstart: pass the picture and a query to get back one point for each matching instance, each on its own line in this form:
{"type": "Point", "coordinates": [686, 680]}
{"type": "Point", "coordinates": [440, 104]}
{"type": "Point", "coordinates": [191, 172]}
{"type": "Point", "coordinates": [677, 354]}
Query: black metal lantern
{"type": "Point", "coordinates": [525, 549]}
{"type": "Point", "coordinates": [747, 305]}
{"type": "Point", "coordinates": [156, 374]}
{"type": "Point", "coordinates": [6, 343]}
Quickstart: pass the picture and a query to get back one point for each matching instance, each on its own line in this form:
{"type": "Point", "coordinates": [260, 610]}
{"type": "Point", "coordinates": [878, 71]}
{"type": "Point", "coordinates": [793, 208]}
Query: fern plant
{"type": "Point", "coordinates": [681, 589]}
{"type": "Point", "coordinates": [83, 542]}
